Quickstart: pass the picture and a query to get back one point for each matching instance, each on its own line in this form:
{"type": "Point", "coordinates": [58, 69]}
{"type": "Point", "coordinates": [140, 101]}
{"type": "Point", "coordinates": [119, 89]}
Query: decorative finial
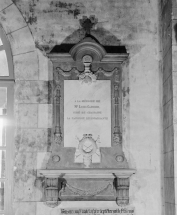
{"type": "Point", "coordinates": [88, 23]}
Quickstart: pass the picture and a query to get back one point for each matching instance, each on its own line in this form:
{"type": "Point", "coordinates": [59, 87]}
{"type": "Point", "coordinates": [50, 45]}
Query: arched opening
{"type": "Point", "coordinates": [6, 123]}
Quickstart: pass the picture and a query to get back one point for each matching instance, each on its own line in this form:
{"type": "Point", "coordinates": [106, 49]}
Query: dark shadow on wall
{"type": "Point", "coordinates": [101, 36]}
{"type": "Point", "coordinates": [175, 29]}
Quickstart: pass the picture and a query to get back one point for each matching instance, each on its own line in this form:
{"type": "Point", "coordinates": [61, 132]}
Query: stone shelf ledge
{"type": "Point", "coordinates": [63, 185]}
{"type": "Point", "coordinates": [86, 173]}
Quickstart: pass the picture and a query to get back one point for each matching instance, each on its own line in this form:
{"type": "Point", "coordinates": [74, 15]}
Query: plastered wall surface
{"type": "Point", "coordinates": [39, 25]}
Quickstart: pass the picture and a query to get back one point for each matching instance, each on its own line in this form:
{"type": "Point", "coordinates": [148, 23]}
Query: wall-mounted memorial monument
{"type": "Point", "coordinates": [87, 161]}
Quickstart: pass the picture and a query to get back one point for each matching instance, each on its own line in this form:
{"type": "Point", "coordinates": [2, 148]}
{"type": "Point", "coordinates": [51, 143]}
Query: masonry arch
{"type": "Point", "coordinates": [17, 42]}
{"type": "Point", "coordinates": [16, 28]}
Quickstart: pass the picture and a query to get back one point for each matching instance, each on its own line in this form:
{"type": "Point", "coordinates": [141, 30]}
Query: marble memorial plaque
{"type": "Point", "coordinates": [87, 110]}
{"type": "Point", "coordinates": [98, 211]}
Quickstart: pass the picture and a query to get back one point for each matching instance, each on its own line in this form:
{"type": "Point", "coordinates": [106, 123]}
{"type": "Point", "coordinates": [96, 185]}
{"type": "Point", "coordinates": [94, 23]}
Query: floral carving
{"type": "Point", "coordinates": [58, 138]}
{"type": "Point", "coordinates": [117, 138]}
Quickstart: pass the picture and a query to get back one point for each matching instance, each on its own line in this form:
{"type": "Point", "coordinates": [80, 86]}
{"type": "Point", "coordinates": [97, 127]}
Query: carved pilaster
{"type": "Point", "coordinates": [117, 136]}
{"type": "Point", "coordinates": [122, 191]}
{"type": "Point", "coordinates": [58, 77]}
{"type": "Point", "coordinates": [57, 128]}
{"type": "Point", "coordinates": [57, 132]}
{"type": "Point", "coordinates": [115, 75]}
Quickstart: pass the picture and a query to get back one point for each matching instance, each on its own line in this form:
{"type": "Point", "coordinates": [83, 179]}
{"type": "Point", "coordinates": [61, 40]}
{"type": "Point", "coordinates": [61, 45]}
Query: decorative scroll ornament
{"type": "Point", "coordinates": [52, 192]}
{"type": "Point", "coordinates": [59, 72]}
{"type": "Point", "coordinates": [87, 76]}
{"type": "Point", "coordinates": [122, 188]}
{"type": "Point", "coordinates": [87, 147]}
{"type": "Point", "coordinates": [110, 73]}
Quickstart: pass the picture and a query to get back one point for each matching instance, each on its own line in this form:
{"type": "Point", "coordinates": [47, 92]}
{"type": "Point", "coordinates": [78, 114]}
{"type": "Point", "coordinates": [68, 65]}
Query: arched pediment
{"type": "Point", "coordinates": [87, 46]}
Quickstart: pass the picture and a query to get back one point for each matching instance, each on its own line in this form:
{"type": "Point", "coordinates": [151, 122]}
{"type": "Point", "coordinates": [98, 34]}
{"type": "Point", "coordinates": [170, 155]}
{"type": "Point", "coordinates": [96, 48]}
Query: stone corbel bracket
{"type": "Point", "coordinates": [56, 180]}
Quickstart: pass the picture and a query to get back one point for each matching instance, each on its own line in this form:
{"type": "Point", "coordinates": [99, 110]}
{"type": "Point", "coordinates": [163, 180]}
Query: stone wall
{"type": "Point", "coordinates": [39, 25]}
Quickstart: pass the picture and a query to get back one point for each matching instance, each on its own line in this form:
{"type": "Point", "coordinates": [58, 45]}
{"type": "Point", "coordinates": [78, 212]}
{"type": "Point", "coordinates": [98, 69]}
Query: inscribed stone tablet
{"type": "Point", "coordinates": [98, 211]}
{"type": "Point", "coordinates": [87, 110]}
